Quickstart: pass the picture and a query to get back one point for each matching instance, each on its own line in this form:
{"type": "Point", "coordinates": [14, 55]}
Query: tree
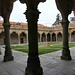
{"type": "Point", "coordinates": [72, 18]}
{"type": "Point", "coordinates": [58, 20]}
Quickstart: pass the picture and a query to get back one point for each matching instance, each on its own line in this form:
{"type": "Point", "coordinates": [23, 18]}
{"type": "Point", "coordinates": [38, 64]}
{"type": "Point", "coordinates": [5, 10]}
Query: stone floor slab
{"type": "Point", "coordinates": [51, 64]}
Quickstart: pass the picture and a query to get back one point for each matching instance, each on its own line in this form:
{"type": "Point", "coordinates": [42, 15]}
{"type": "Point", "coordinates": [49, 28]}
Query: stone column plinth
{"type": "Point", "coordinates": [8, 53]}
{"type": "Point", "coordinates": [65, 51]}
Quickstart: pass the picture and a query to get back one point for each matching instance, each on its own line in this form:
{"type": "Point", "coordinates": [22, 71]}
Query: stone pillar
{"type": "Point", "coordinates": [0, 50]}
{"type": "Point", "coordinates": [46, 37]}
{"type": "Point", "coordinates": [56, 38]}
{"type": "Point", "coordinates": [27, 38]}
{"type": "Point", "coordinates": [33, 63]}
{"type": "Point", "coordinates": [40, 37]}
{"type": "Point", "coordinates": [70, 37]}
{"type": "Point", "coordinates": [32, 15]}
{"type": "Point", "coordinates": [65, 51]}
{"type": "Point", "coordinates": [18, 38]}
{"type": "Point", "coordinates": [8, 53]}
{"type": "Point", "coordinates": [51, 37]}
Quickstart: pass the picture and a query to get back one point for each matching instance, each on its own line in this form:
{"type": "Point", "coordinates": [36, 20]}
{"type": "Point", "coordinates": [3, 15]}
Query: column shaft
{"type": "Point", "coordinates": [8, 53]}
{"type": "Point", "coordinates": [51, 37]}
{"type": "Point", "coordinates": [40, 37]}
{"type": "Point", "coordinates": [18, 38]}
{"type": "Point", "coordinates": [56, 37]}
{"type": "Point", "coordinates": [46, 37]}
{"type": "Point", "coordinates": [33, 63]}
{"type": "Point", "coordinates": [70, 37]}
{"type": "Point", "coordinates": [65, 51]}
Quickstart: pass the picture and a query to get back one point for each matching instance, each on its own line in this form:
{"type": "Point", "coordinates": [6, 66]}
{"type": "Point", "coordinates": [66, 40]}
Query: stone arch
{"type": "Point", "coordinates": [14, 38]}
{"type": "Point", "coordinates": [59, 37]}
{"type": "Point", "coordinates": [23, 38]}
{"type": "Point", "coordinates": [53, 37]}
{"type": "Point", "coordinates": [73, 36]}
{"type": "Point", "coordinates": [43, 37]}
{"type": "Point", "coordinates": [38, 37]}
{"type": "Point", "coordinates": [2, 38]}
{"type": "Point", "coordinates": [48, 37]}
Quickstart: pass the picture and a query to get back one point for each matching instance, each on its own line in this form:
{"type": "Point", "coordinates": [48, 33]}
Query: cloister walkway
{"type": "Point", "coordinates": [51, 64]}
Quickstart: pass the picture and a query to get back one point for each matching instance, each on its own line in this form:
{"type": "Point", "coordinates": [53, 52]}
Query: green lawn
{"type": "Point", "coordinates": [42, 49]}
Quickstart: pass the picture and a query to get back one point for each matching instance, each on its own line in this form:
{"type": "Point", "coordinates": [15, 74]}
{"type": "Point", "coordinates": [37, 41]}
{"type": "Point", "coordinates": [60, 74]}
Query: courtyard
{"type": "Point", "coordinates": [60, 62]}
{"type": "Point", "coordinates": [43, 47]}
{"type": "Point", "coordinates": [50, 62]}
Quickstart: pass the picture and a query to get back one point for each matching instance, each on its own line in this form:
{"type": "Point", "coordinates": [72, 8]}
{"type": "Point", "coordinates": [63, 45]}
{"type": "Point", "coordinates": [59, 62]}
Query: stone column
{"type": "Point", "coordinates": [8, 53]}
{"type": "Point", "coordinates": [18, 38]}
{"type": "Point", "coordinates": [0, 50]}
{"type": "Point", "coordinates": [65, 11]}
{"type": "Point", "coordinates": [40, 37]}
{"type": "Point", "coordinates": [46, 37]}
{"type": "Point", "coordinates": [70, 37]}
{"type": "Point", "coordinates": [33, 63]}
{"type": "Point", "coordinates": [65, 51]}
{"type": "Point", "coordinates": [56, 38]}
{"type": "Point", "coordinates": [51, 37]}
{"type": "Point", "coordinates": [27, 38]}
{"type": "Point", "coordinates": [32, 15]}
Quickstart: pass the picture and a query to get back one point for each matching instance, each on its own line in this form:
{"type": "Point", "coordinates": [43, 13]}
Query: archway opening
{"type": "Point", "coordinates": [43, 37]}
{"type": "Point", "coordinates": [23, 38]}
{"type": "Point", "coordinates": [48, 37]}
{"type": "Point", "coordinates": [2, 38]}
{"type": "Point", "coordinates": [14, 38]}
{"type": "Point", "coordinates": [53, 37]}
{"type": "Point", "coordinates": [59, 37]}
{"type": "Point", "coordinates": [73, 36]}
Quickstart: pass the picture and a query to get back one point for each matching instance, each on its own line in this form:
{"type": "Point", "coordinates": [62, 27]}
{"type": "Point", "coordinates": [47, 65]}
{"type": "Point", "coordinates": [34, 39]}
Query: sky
{"type": "Point", "coordinates": [47, 17]}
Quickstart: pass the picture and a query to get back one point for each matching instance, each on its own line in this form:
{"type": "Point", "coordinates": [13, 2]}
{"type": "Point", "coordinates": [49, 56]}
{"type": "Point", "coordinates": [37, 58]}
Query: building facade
{"type": "Point", "coordinates": [19, 33]}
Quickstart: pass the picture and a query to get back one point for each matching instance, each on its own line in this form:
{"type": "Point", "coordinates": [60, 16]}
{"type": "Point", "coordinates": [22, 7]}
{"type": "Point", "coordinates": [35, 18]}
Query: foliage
{"type": "Point", "coordinates": [72, 18]}
{"type": "Point", "coordinates": [58, 20]}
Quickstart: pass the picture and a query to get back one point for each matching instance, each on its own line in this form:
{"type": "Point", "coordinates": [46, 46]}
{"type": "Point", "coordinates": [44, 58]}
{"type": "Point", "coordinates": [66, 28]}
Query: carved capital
{"type": "Point", "coordinates": [64, 6]}
{"type": "Point", "coordinates": [65, 22]}
{"type": "Point", "coordinates": [32, 15]}
{"type": "Point", "coordinates": [32, 4]}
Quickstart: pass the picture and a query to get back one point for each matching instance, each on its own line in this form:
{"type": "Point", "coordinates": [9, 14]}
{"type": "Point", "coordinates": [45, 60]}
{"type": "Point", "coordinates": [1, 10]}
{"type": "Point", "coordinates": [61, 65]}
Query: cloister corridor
{"type": "Point", "coordinates": [12, 62]}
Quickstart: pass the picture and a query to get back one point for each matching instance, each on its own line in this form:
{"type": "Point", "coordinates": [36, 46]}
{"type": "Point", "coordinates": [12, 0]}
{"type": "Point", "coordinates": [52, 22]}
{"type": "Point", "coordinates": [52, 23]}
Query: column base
{"type": "Point", "coordinates": [39, 71]}
{"type": "Point", "coordinates": [66, 54]}
{"type": "Point", "coordinates": [8, 58]}
{"type": "Point", "coordinates": [66, 58]}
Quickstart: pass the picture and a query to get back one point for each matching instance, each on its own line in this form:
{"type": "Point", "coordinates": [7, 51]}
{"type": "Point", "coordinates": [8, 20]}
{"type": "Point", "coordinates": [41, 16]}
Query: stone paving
{"type": "Point", "coordinates": [51, 64]}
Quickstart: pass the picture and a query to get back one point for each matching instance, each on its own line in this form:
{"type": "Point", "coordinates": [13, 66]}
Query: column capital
{"type": "Point", "coordinates": [34, 1]}
{"type": "Point", "coordinates": [32, 4]}
{"type": "Point", "coordinates": [65, 22]}
{"type": "Point", "coordinates": [62, 22]}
